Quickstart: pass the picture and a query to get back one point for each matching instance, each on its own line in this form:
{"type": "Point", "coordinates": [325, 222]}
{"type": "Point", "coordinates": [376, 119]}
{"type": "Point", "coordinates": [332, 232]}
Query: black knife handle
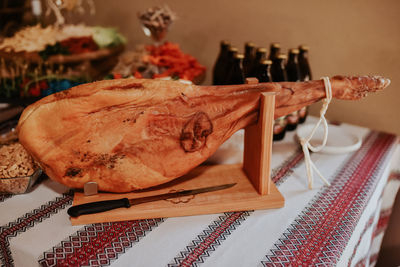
{"type": "Point", "coordinates": [99, 206]}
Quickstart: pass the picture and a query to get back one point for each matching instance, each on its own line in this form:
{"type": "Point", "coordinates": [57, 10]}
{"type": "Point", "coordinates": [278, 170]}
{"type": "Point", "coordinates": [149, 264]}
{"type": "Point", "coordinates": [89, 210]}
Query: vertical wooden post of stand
{"type": "Point", "coordinates": [258, 144]}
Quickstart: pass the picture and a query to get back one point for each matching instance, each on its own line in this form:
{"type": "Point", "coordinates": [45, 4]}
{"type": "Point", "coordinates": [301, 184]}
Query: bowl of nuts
{"type": "Point", "coordinates": [18, 170]}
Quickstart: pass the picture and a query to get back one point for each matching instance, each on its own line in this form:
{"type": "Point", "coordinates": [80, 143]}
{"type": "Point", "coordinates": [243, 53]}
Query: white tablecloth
{"type": "Point", "coordinates": [340, 225]}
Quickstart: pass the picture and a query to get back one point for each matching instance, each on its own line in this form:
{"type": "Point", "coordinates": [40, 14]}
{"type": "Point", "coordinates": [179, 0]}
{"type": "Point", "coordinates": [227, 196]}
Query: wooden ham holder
{"type": "Point", "coordinates": [253, 189]}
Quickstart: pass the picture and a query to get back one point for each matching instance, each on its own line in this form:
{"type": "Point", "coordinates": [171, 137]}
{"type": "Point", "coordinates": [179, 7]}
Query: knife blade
{"type": "Point", "coordinates": [106, 205]}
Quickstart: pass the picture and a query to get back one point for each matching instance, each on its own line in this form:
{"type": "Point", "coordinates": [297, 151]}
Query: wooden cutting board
{"type": "Point", "coordinates": [243, 196]}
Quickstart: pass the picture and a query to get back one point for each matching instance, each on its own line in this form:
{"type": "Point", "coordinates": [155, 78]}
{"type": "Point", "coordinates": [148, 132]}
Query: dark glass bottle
{"type": "Point", "coordinates": [304, 65]}
{"type": "Point", "coordinates": [292, 66]}
{"type": "Point", "coordinates": [261, 54]}
{"type": "Point", "coordinates": [274, 51]}
{"type": "Point", "coordinates": [236, 75]}
{"type": "Point", "coordinates": [219, 70]}
{"type": "Point", "coordinates": [264, 71]}
{"type": "Point", "coordinates": [278, 71]}
{"type": "Point", "coordinates": [249, 56]}
{"type": "Point", "coordinates": [305, 75]}
{"type": "Point", "coordinates": [232, 52]}
{"type": "Point", "coordinates": [279, 129]}
{"type": "Point", "coordinates": [293, 75]}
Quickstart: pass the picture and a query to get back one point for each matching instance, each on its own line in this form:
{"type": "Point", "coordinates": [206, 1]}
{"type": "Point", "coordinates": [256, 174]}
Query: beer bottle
{"type": "Point", "coordinates": [278, 74]}
{"type": "Point", "coordinates": [279, 129]}
{"type": "Point", "coordinates": [274, 51]}
{"type": "Point", "coordinates": [249, 55]}
{"type": "Point", "coordinates": [261, 54]}
{"type": "Point", "coordinates": [304, 66]}
{"type": "Point", "coordinates": [278, 71]}
{"type": "Point", "coordinates": [292, 66]}
{"type": "Point", "coordinates": [236, 75]}
{"type": "Point", "coordinates": [305, 75]}
{"type": "Point", "coordinates": [264, 71]}
{"type": "Point", "coordinates": [232, 52]}
{"type": "Point", "coordinates": [292, 70]}
{"type": "Point", "coordinates": [219, 70]}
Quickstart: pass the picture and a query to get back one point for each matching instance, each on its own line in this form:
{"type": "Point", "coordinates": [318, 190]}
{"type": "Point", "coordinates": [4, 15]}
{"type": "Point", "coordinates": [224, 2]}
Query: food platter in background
{"type": "Point", "coordinates": [31, 67]}
{"type": "Point", "coordinates": [159, 61]}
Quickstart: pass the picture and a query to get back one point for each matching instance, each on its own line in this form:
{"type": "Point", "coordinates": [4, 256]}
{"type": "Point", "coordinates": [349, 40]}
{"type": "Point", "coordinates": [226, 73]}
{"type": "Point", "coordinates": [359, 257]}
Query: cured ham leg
{"type": "Point", "coordinates": [131, 134]}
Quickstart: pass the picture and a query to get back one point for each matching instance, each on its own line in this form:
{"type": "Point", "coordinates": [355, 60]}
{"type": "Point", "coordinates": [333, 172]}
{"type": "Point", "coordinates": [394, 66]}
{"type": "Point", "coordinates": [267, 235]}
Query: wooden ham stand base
{"type": "Point", "coordinates": [253, 191]}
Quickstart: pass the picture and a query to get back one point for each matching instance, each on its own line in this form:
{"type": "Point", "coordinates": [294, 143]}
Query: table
{"type": "Point", "coordinates": [339, 225]}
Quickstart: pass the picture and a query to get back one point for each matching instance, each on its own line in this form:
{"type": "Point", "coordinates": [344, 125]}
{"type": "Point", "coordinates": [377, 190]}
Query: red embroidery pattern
{"type": "Point", "coordinates": [287, 167]}
{"type": "Point", "coordinates": [383, 222]}
{"type": "Point", "coordinates": [204, 244]}
{"type": "Point", "coordinates": [322, 230]}
{"type": "Point", "coordinates": [69, 251]}
{"type": "Point", "coordinates": [210, 239]}
{"type": "Point", "coordinates": [199, 251]}
{"type": "Point", "coordinates": [367, 226]}
{"type": "Point", "coordinates": [373, 259]}
{"type": "Point", "coordinates": [380, 227]}
{"type": "Point", "coordinates": [27, 221]}
{"type": "Point", "coordinates": [395, 176]}
{"type": "Point", "coordinates": [98, 244]}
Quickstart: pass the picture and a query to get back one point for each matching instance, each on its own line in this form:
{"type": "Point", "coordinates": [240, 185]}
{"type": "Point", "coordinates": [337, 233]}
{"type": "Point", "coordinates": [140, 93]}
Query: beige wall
{"type": "Point", "coordinates": [346, 37]}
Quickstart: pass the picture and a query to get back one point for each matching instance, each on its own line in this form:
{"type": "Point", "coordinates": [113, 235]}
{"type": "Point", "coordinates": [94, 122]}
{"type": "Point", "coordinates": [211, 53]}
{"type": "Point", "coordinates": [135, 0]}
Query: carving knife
{"type": "Point", "coordinates": [101, 206]}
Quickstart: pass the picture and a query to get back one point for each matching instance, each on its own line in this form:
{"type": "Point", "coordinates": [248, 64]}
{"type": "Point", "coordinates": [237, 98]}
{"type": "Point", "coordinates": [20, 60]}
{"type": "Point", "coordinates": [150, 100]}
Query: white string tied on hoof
{"type": "Point", "coordinates": [305, 142]}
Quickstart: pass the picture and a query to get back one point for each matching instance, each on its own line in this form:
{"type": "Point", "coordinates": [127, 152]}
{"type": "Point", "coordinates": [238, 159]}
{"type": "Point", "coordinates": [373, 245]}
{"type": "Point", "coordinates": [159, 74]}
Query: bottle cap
{"type": "Point", "coordinates": [225, 43]}
{"type": "Point", "coordinates": [294, 51]}
{"type": "Point", "coordinates": [232, 51]}
{"type": "Point", "coordinates": [276, 45]}
{"type": "Point", "coordinates": [250, 44]}
{"type": "Point", "coordinates": [304, 47]}
{"type": "Point", "coordinates": [262, 50]}
{"type": "Point", "coordinates": [281, 56]}
{"type": "Point", "coordinates": [239, 56]}
{"type": "Point", "coordinates": [266, 62]}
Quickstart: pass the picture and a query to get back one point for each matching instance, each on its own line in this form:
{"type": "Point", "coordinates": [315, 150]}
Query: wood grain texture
{"type": "Point", "coordinates": [258, 144]}
{"type": "Point", "coordinates": [242, 196]}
